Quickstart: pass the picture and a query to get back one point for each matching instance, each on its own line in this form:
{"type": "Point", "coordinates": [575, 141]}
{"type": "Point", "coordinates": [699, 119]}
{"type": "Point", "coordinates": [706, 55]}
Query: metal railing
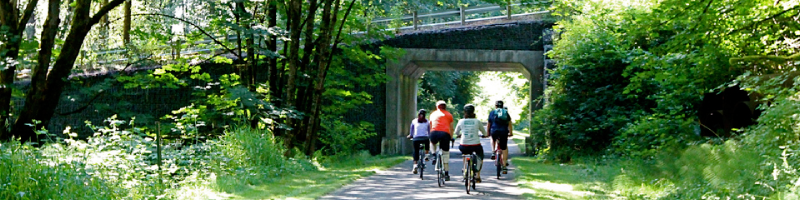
{"type": "Point", "coordinates": [415, 18]}
{"type": "Point", "coordinates": [461, 13]}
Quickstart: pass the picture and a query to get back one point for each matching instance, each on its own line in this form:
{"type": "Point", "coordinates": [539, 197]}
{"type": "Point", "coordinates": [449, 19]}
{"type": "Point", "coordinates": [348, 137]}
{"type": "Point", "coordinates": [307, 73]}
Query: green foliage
{"type": "Point", "coordinates": [650, 135]}
{"type": "Point", "coordinates": [121, 162]}
{"type": "Point", "coordinates": [343, 138]}
{"type": "Point", "coordinates": [586, 108]}
{"type": "Point", "coordinates": [653, 59]}
{"type": "Point", "coordinates": [661, 57]}
{"type": "Point", "coordinates": [27, 175]}
{"type": "Point", "coordinates": [456, 88]}
{"type": "Point", "coordinates": [251, 157]}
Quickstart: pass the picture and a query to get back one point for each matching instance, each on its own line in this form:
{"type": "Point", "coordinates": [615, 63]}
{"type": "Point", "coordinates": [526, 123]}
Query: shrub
{"type": "Point", "coordinates": [649, 135]}
{"type": "Point", "coordinates": [343, 138]}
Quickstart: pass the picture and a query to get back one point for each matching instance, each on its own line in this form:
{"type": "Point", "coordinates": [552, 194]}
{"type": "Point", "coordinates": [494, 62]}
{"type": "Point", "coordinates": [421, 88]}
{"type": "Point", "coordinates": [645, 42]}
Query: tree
{"type": "Point", "coordinates": [47, 81]}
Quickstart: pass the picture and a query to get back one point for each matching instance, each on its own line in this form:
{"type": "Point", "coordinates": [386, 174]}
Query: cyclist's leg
{"type": "Point", "coordinates": [464, 151]}
{"type": "Point", "coordinates": [445, 151]}
{"type": "Point", "coordinates": [479, 150]}
{"type": "Point", "coordinates": [441, 138]}
{"type": "Point", "coordinates": [433, 144]}
{"type": "Point", "coordinates": [427, 144]}
{"type": "Point", "coordinates": [503, 145]}
{"type": "Point", "coordinates": [494, 144]}
{"type": "Point", "coordinates": [415, 154]}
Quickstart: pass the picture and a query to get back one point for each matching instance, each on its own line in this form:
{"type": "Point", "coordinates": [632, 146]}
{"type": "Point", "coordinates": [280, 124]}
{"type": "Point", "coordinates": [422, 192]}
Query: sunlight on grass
{"type": "Point", "coordinates": [560, 181]}
{"type": "Point", "coordinates": [303, 185]}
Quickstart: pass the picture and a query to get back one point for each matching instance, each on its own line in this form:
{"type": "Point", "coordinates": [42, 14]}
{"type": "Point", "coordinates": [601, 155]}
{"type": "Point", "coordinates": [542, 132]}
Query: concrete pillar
{"type": "Point", "coordinates": [389, 143]}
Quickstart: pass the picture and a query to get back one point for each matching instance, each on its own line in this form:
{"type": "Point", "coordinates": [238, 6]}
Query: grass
{"type": "Point", "coordinates": [519, 138]}
{"type": "Point", "coordinates": [563, 181]}
{"type": "Point", "coordinates": [303, 185]}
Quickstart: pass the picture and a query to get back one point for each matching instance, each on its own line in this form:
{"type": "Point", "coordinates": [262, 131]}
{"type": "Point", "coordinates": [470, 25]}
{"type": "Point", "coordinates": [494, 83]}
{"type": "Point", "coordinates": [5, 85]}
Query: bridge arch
{"type": "Point", "coordinates": [401, 88]}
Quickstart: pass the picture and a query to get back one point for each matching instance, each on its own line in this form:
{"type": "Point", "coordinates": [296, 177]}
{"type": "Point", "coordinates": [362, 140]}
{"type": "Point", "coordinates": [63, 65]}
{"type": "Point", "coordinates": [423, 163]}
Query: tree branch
{"type": "Point", "coordinates": [104, 10]}
{"type": "Point", "coordinates": [85, 105]}
{"type": "Point", "coordinates": [700, 18]}
{"type": "Point", "coordinates": [749, 26]}
{"type": "Point", "coordinates": [776, 59]}
{"type": "Point", "coordinates": [349, 8]}
{"type": "Point", "coordinates": [194, 25]}
{"type": "Point", "coordinates": [28, 12]}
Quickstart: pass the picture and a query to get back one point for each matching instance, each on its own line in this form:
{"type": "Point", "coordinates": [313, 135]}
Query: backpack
{"type": "Point", "coordinates": [501, 115]}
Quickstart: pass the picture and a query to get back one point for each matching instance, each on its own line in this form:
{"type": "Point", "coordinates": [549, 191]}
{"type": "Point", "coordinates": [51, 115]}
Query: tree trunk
{"type": "Point", "coordinates": [272, 45]}
{"type": "Point", "coordinates": [126, 24]}
{"type": "Point", "coordinates": [326, 56]}
{"type": "Point", "coordinates": [272, 62]}
{"type": "Point", "coordinates": [40, 103]}
{"type": "Point", "coordinates": [10, 18]}
{"type": "Point", "coordinates": [294, 17]}
{"type": "Point", "coordinates": [328, 22]}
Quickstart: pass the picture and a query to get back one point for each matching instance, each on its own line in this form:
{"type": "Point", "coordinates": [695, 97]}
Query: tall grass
{"type": "Point", "coordinates": [246, 156]}
{"type": "Point", "coordinates": [123, 163]}
{"type": "Point", "coordinates": [28, 174]}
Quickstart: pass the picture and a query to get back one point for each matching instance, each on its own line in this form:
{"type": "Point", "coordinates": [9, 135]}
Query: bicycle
{"type": "Point", "coordinates": [439, 168]}
{"type": "Point", "coordinates": [470, 177]}
{"type": "Point", "coordinates": [421, 162]}
{"type": "Point", "coordinates": [498, 162]}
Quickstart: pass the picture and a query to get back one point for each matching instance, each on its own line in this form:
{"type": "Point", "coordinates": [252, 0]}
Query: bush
{"type": "Point", "coordinates": [343, 138]}
{"type": "Point", "coordinates": [119, 163]}
{"type": "Point", "coordinates": [28, 173]}
{"type": "Point", "coordinates": [649, 135]}
{"type": "Point", "coordinates": [252, 156]}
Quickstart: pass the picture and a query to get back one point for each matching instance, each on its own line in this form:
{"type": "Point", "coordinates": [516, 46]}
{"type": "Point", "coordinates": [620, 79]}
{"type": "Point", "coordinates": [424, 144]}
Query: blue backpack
{"type": "Point", "coordinates": [501, 115]}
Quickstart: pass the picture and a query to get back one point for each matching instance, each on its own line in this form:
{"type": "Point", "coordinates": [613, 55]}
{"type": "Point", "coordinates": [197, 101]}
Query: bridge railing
{"type": "Point", "coordinates": [461, 13]}
{"type": "Point", "coordinates": [417, 21]}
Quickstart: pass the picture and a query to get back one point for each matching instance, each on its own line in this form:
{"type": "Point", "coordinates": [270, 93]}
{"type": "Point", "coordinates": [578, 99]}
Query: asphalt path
{"type": "Point", "coordinates": [399, 183]}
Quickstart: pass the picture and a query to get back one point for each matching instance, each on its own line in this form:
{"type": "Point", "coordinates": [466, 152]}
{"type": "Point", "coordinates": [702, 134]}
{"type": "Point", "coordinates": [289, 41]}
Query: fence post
{"type": "Point", "coordinates": [508, 11]}
{"type": "Point", "coordinates": [415, 20]}
{"type": "Point", "coordinates": [463, 15]}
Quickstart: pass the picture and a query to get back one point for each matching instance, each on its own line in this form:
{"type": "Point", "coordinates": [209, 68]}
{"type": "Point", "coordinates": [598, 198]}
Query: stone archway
{"type": "Point", "coordinates": [401, 88]}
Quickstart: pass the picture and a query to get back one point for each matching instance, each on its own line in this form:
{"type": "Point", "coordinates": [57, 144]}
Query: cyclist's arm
{"type": "Point", "coordinates": [489, 123]}
{"type": "Point", "coordinates": [457, 132]}
{"type": "Point", "coordinates": [510, 129]}
{"type": "Point", "coordinates": [411, 131]}
{"type": "Point", "coordinates": [483, 131]}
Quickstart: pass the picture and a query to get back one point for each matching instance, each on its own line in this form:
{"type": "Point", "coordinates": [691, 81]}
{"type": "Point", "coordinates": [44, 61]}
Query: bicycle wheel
{"type": "Point", "coordinates": [468, 176]}
{"type": "Point", "coordinates": [421, 164]}
{"type": "Point", "coordinates": [474, 170]}
{"type": "Point", "coordinates": [439, 171]}
{"type": "Point", "coordinates": [498, 164]}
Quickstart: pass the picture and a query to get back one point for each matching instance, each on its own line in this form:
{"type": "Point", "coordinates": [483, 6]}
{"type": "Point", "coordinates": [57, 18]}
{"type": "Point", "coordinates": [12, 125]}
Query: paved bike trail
{"type": "Point", "coordinates": [399, 183]}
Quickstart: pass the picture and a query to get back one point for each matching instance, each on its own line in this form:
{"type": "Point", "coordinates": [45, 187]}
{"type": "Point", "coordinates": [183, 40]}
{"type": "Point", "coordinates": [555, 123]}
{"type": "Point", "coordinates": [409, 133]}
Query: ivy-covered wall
{"type": "Point", "coordinates": [95, 97]}
{"type": "Point", "coordinates": [525, 35]}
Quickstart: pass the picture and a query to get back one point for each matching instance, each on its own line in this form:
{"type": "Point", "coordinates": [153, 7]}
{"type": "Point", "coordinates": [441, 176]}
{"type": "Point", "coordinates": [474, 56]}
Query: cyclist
{"type": "Point", "coordinates": [501, 130]}
{"type": "Point", "coordinates": [441, 126]}
{"type": "Point", "coordinates": [420, 129]}
{"type": "Point", "coordinates": [470, 127]}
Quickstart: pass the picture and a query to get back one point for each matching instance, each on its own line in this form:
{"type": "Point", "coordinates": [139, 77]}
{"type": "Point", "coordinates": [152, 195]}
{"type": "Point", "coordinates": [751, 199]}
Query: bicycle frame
{"type": "Point", "coordinates": [471, 161]}
{"type": "Point", "coordinates": [498, 162]}
{"type": "Point", "coordinates": [421, 161]}
{"type": "Point", "coordinates": [439, 168]}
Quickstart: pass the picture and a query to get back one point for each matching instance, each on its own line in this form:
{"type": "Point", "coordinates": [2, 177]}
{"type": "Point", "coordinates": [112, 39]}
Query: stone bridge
{"type": "Point", "coordinates": [517, 47]}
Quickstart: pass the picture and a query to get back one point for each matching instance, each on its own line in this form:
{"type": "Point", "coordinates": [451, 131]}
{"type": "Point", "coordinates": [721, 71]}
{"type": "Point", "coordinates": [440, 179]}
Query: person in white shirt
{"type": "Point", "coordinates": [471, 127]}
{"type": "Point", "coordinates": [420, 134]}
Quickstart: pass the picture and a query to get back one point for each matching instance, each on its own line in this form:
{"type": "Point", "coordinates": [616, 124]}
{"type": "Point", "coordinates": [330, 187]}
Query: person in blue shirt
{"type": "Point", "coordinates": [500, 130]}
